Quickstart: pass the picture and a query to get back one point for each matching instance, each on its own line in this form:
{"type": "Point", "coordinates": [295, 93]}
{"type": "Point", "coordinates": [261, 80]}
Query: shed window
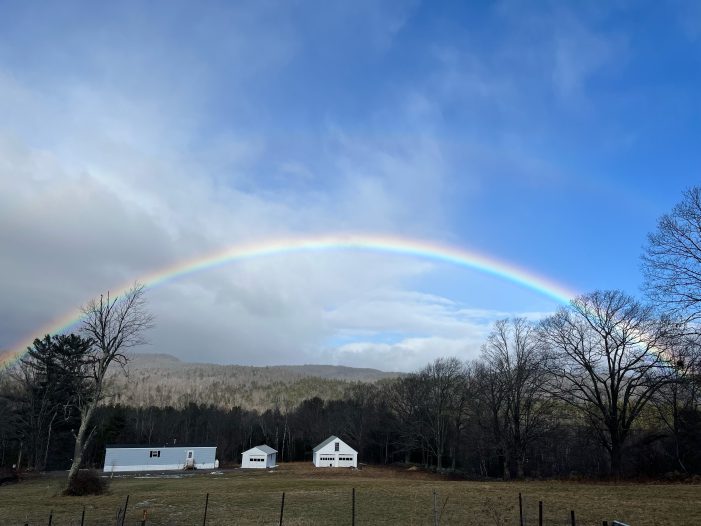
{"type": "Point", "coordinates": [156, 453]}
{"type": "Point", "coordinates": [337, 445]}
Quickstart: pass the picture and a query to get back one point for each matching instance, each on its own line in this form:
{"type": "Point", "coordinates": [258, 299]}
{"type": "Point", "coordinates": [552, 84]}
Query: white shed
{"type": "Point", "coordinates": [260, 457]}
{"type": "Point", "coordinates": [335, 453]}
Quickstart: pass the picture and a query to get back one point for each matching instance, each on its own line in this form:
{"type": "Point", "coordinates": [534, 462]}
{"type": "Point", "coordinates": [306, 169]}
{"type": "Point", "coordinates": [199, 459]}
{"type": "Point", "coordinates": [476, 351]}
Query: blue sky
{"type": "Point", "coordinates": [550, 135]}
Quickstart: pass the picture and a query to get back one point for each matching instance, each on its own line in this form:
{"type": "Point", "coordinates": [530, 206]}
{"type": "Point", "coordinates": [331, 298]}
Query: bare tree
{"type": "Point", "coordinates": [445, 381]}
{"type": "Point", "coordinates": [679, 401]}
{"type": "Point", "coordinates": [516, 372]}
{"type": "Point", "coordinates": [405, 397]}
{"type": "Point", "coordinates": [608, 360]}
{"type": "Point", "coordinates": [672, 259]}
{"type": "Point", "coordinates": [114, 325]}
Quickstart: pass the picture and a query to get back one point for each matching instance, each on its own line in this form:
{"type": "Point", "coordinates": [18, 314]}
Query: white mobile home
{"type": "Point", "coordinates": [260, 457]}
{"type": "Point", "coordinates": [335, 453]}
{"type": "Point", "coordinates": [158, 458]}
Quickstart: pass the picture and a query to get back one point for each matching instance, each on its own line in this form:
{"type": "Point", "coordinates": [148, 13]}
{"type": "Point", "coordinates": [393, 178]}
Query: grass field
{"type": "Point", "coordinates": [320, 496]}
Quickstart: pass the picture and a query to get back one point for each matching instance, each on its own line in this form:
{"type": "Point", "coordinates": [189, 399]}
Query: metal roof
{"type": "Point", "coordinates": [155, 446]}
{"type": "Point", "coordinates": [326, 442]}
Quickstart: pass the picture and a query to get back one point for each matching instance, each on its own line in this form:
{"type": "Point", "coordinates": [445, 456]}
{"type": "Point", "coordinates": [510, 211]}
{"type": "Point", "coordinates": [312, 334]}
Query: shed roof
{"type": "Point", "coordinates": [264, 448]}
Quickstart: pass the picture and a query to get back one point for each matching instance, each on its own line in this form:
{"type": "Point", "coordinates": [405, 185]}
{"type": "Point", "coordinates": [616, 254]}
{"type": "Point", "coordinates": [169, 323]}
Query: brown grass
{"type": "Point", "coordinates": [323, 496]}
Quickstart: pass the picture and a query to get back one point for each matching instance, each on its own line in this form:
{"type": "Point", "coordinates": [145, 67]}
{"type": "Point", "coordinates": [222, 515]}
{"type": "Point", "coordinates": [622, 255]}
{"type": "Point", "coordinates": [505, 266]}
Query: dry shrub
{"type": "Point", "coordinates": [86, 482]}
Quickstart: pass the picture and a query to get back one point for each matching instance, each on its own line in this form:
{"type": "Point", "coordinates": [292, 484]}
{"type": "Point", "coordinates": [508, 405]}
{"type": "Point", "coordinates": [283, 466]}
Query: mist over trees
{"type": "Point", "coordinates": [605, 386]}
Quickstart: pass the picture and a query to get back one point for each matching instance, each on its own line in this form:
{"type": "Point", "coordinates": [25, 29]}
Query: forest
{"type": "Point", "coordinates": [607, 386]}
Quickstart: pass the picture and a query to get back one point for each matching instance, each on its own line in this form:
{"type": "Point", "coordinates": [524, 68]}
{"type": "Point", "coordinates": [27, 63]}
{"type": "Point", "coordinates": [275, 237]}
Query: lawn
{"type": "Point", "coordinates": [322, 496]}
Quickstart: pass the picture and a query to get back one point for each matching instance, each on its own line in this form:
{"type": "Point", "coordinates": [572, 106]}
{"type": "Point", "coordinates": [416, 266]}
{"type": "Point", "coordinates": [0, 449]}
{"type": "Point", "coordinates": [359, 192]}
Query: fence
{"type": "Point", "coordinates": [439, 506]}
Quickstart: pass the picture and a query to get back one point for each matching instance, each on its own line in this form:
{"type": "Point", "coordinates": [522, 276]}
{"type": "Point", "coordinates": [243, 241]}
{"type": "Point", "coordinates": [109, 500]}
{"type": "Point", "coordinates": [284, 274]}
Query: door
{"type": "Point", "coordinates": [190, 461]}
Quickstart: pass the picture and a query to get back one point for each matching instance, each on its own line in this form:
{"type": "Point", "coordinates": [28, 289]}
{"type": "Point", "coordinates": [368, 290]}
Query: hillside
{"type": "Point", "coordinates": [164, 380]}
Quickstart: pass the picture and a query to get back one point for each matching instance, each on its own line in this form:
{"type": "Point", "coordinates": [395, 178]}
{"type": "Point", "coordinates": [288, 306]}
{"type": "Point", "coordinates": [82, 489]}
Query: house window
{"type": "Point", "coordinates": [337, 446]}
{"type": "Point", "coordinates": [153, 454]}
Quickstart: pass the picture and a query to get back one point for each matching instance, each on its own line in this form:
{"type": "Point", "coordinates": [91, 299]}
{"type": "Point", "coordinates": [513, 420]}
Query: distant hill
{"type": "Point", "coordinates": [164, 380]}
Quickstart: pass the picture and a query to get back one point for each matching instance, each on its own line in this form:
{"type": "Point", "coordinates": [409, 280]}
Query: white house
{"type": "Point", "coordinates": [260, 457]}
{"type": "Point", "coordinates": [158, 458]}
{"type": "Point", "coordinates": [334, 453]}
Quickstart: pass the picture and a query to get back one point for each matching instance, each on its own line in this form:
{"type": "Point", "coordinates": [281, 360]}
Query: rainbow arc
{"type": "Point", "coordinates": [422, 249]}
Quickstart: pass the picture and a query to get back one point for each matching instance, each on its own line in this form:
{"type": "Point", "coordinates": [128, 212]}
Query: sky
{"type": "Point", "coordinates": [135, 136]}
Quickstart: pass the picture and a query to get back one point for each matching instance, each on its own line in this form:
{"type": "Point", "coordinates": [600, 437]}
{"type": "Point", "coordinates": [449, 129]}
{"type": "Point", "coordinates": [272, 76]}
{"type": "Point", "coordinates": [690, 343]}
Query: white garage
{"type": "Point", "coordinates": [260, 457]}
{"type": "Point", "coordinates": [334, 453]}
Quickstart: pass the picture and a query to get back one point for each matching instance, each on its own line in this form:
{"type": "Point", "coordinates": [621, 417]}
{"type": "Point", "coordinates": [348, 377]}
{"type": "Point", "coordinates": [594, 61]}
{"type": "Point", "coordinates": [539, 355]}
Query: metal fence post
{"type": "Point", "coordinates": [206, 505]}
{"type": "Point", "coordinates": [353, 515]}
{"type": "Point", "coordinates": [124, 513]}
{"type": "Point", "coordinates": [520, 509]}
{"type": "Point", "coordinates": [282, 507]}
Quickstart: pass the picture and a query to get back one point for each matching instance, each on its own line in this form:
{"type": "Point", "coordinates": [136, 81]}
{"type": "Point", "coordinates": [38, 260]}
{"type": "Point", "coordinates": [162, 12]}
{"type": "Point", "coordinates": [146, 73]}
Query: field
{"type": "Point", "coordinates": [317, 496]}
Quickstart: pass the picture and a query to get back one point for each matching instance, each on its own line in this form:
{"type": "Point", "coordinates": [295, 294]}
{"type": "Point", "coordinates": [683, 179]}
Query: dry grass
{"type": "Point", "coordinates": [321, 496]}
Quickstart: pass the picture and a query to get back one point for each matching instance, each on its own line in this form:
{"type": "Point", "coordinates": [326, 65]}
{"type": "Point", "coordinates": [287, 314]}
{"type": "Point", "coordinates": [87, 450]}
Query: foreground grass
{"type": "Point", "coordinates": [383, 496]}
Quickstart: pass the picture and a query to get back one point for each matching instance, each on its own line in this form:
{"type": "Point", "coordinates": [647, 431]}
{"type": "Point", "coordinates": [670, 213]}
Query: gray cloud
{"type": "Point", "coordinates": [121, 167]}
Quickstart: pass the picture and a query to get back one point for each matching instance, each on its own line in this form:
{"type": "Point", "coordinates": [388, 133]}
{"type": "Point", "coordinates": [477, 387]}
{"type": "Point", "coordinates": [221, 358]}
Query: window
{"type": "Point", "coordinates": [337, 446]}
{"type": "Point", "coordinates": [155, 453]}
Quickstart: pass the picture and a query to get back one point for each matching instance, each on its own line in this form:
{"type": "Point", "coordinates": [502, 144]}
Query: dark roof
{"type": "Point", "coordinates": [156, 446]}
{"type": "Point", "coordinates": [327, 441]}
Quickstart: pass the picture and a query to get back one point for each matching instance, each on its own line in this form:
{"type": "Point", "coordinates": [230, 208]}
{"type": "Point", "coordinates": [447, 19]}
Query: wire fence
{"type": "Point", "coordinates": [524, 514]}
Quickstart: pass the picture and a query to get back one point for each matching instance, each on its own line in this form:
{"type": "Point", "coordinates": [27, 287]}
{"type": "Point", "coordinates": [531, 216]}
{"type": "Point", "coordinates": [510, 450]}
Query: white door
{"type": "Point", "coordinates": [190, 461]}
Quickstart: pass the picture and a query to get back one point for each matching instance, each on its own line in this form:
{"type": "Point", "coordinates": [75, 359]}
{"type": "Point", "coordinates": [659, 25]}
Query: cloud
{"type": "Point", "coordinates": [160, 143]}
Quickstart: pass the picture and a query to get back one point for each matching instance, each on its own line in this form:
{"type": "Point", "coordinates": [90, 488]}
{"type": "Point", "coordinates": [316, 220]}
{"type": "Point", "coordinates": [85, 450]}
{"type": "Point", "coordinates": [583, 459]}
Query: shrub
{"type": "Point", "coordinates": [86, 482]}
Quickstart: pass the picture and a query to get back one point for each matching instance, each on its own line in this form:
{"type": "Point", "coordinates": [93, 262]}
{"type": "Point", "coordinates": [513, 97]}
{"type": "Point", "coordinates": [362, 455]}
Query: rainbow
{"type": "Point", "coordinates": [428, 250]}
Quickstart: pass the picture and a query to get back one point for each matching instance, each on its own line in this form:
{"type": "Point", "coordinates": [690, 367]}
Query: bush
{"type": "Point", "coordinates": [86, 482]}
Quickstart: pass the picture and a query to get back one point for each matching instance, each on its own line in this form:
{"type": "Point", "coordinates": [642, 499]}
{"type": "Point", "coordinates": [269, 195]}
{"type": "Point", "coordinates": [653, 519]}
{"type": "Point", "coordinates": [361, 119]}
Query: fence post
{"type": "Point", "coordinates": [282, 507]}
{"type": "Point", "coordinates": [540, 513]}
{"type": "Point", "coordinates": [82, 517]}
{"type": "Point", "coordinates": [143, 519]}
{"type": "Point", "coordinates": [572, 518]}
{"type": "Point", "coordinates": [520, 509]}
{"type": "Point", "coordinates": [206, 504]}
{"type": "Point", "coordinates": [124, 513]}
{"type": "Point", "coordinates": [435, 516]}
{"type": "Point", "coordinates": [51, 517]}
{"type": "Point", "coordinates": [605, 523]}
{"type": "Point", "coordinates": [353, 516]}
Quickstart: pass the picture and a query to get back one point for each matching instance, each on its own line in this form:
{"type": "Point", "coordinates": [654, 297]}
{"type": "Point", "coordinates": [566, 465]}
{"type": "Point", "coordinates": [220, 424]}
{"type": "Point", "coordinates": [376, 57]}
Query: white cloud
{"type": "Point", "coordinates": [125, 166]}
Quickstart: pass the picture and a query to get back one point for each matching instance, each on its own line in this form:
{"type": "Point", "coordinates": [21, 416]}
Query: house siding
{"type": "Point", "coordinates": [327, 456]}
{"type": "Point", "coordinates": [119, 459]}
{"type": "Point", "coordinates": [258, 459]}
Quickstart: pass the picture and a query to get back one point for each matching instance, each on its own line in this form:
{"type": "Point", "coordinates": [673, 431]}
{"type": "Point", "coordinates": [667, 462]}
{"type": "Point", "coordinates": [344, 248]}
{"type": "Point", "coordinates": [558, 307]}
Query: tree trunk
{"type": "Point", "coordinates": [506, 471]}
{"type": "Point", "coordinates": [19, 456]}
{"type": "Point", "coordinates": [82, 438]}
{"type": "Point", "coordinates": [616, 453]}
{"type": "Point", "coordinates": [520, 473]}
{"type": "Point", "coordinates": [48, 442]}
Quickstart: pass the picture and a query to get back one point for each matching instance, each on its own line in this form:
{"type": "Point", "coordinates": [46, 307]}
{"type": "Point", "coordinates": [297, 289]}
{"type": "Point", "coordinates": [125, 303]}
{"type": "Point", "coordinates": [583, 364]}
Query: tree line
{"type": "Point", "coordinates": [607, 385]}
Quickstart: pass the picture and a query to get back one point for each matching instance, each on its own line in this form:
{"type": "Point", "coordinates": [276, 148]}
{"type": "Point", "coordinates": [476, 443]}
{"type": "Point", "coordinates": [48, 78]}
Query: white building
{"type": "Point", "coordinates": [158, 458]}
{"type": "Point", "coordinates": [334, 453]}
{"type": "Point", "coordinates": [260, 457]}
